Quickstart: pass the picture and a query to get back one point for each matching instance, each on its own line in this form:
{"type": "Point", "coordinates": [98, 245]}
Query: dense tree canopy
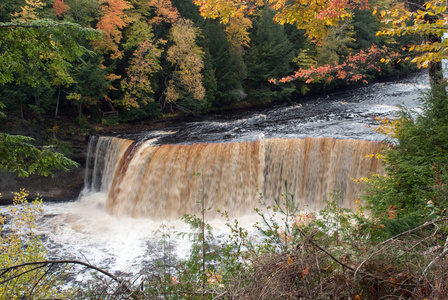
{"type": "Point", "coordinates": [142, 67]}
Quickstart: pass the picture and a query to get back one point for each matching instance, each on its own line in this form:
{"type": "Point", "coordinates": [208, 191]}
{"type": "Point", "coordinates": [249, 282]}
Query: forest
{"type": "Point", "coordinates": [157, 58]}
{"type": "Point", "coordinates": [73, 66]}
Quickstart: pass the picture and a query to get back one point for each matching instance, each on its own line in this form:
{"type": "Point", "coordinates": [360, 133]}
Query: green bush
{"type": "Point", "coordinates": [109, 122]}
{"type": "Point", "coordinates": [415, 184]}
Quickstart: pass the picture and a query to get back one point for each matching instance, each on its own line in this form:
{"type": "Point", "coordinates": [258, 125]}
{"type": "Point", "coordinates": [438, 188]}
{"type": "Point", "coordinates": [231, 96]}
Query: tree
{"type": "Point", "coordinates": [111, 23]}
{"type": "Point", "coordinates": [426, 19]}
{"type": "Point", "coordinates": [30, 48]}
{"type": "Point", "coordinates": [353, 69]}
{"type": "Point", "coordinates": [143, 65]}
{"type": "Point", "coordinates": [60, 7]}
{"type": "Point", "coordinates": [187, 59]}
{"type": "Point", "coordinates": [228, 80]}
{"type": "Point", "coordinates": [19, 244]}
{"type": "Point", "coordinates": [414, 187]}
{"type": "Point", "coordinates": [315, 17]}
{"type": "Point", "coordinates": [91, 84]}
{"type": "Point", "coordinates": [82, 12]}
{"type": "Point", "coordinates": [269, 57]}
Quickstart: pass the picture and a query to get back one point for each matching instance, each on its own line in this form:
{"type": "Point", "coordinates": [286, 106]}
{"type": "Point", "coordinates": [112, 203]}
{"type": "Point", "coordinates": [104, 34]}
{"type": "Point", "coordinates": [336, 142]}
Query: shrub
{"type": "Point", "coordinates": [20, 245]}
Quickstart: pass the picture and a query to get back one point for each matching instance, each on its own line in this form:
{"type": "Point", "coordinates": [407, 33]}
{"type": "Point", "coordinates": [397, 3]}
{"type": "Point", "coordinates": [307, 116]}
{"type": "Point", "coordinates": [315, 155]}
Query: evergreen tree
{"type": "Point", "coordinates": [414, 187]}
{"type": "Point", "coordinates": [365, 27]}
{"type": "Point", "coordinates": [270, 56]}
{"type": "Point", "coordinates": [223, 64]}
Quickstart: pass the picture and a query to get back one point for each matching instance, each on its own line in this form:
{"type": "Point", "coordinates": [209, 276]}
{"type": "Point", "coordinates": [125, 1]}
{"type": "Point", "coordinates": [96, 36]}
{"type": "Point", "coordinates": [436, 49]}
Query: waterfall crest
{"type": "Point", "coordinates": [167, 181]}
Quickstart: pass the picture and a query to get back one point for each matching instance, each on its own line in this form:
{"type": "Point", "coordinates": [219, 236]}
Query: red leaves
{"type": "Point", "coordinates": [335, 9]}
{"type": "Point", "coordinates": [353, 69]}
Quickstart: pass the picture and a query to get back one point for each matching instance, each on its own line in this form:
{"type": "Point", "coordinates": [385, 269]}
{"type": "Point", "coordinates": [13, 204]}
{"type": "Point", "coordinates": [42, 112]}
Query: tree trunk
{"type": "Point", "coordinates": [435, 68]}
{"type": "Point", "coordinates": [57, 103]}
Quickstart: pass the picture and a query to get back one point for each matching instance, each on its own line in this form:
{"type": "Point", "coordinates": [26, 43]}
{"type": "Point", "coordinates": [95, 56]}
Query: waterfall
{"type": "Point", "coordinates": [165, 181]}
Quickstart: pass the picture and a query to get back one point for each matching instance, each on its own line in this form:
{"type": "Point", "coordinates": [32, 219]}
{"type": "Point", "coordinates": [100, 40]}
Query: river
{"type": "Point", "coordinates": [89, 230]}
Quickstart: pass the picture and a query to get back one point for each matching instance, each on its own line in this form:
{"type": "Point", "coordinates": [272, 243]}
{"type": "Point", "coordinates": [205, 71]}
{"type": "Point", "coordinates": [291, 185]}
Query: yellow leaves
{"type": "Point", "coordinates": [430, 20]}
{"type": "Point", "coordinates": [21, 245]}
{"type": "Point", "coordinates": [28, 12]}
{"type": "Point", "coordinates": [74, 97]}
{"type": "Point", "coordinates": [376, 155]}
{"type": "Point", "coordinates": [313, 16]}
{"type": "Point", "coordinates": [387, 126]}
{"type": "Point", "coordinates": [237, 31]}
{"type": "Point", "coordinates": [362, 179]}
{"type": "Point", "coordinates": [188, 57]}
{"type": "Point", "coordinates": [144, 63]}
{"type": "Point", "coordinates": [440, 9]}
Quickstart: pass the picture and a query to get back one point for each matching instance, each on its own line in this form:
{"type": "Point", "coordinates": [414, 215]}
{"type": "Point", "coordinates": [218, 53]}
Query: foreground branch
{"type": "Point", "coordinates": [310, 240]}
{"type": "Point", "coordinates": [40, 264]}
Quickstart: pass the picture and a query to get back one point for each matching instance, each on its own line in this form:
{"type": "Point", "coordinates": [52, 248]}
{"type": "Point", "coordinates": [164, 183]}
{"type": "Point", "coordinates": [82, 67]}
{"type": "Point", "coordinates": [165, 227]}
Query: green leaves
{"type": "Point", "coordinates": [29, 49]}
{"type": "Point", "coordinates": [18, 155]}
{"type": "Point", "coordinates": [416, 168]}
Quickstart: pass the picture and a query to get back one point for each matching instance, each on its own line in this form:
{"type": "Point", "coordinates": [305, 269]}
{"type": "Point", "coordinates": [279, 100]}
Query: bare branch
{"type": "Point", "coordinates": [310, 240]}
{"type": "Point", "coordinates": [41, 264]}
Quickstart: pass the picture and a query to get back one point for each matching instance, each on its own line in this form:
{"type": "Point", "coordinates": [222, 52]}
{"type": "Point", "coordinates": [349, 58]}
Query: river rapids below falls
{"type": "Point", "coordinates": [138, 185]}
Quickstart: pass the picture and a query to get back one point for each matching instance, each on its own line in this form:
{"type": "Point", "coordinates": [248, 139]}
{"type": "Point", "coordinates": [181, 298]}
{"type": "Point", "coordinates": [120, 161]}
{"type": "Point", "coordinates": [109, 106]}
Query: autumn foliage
{"type": "Point", "coordinates": [144, 63]}
{"type": "Point", "coordinates": [313, 16]}
{"type": "Point", "coordinates": [167, 51]}
{"type": "Point", "coordinates": [60, 7]}
{"type": "Point", "coordinates": [164, 12]}
{"type": "Point", "coordinates": [353, 69]}
{"type": "Point", "coordinates": [427, 20]}
{"type": "Point", "coordinates": [112, 21]}
{"type": "Point", "coordinates": [186, 57]}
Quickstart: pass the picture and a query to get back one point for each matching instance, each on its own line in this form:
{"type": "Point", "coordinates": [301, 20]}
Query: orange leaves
{"type": "Point", "coordinates": [164, 10]}
{"type": "Point", "coordinates": [305, 271]}
{"type": "Point", "coordinates": [111, 23]}
{"type": "Point", "coordinates": [391, 212]}
{"type": "Point", "coordinates": [60, 8]}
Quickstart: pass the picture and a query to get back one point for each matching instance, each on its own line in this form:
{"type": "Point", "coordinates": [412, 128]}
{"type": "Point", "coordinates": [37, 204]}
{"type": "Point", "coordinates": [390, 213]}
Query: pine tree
{"type": "Point", "coordinates": [270, 56]}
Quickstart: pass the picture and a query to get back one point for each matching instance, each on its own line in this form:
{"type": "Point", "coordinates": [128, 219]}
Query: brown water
{"type": "Point", "coordinates": [169, 180]}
